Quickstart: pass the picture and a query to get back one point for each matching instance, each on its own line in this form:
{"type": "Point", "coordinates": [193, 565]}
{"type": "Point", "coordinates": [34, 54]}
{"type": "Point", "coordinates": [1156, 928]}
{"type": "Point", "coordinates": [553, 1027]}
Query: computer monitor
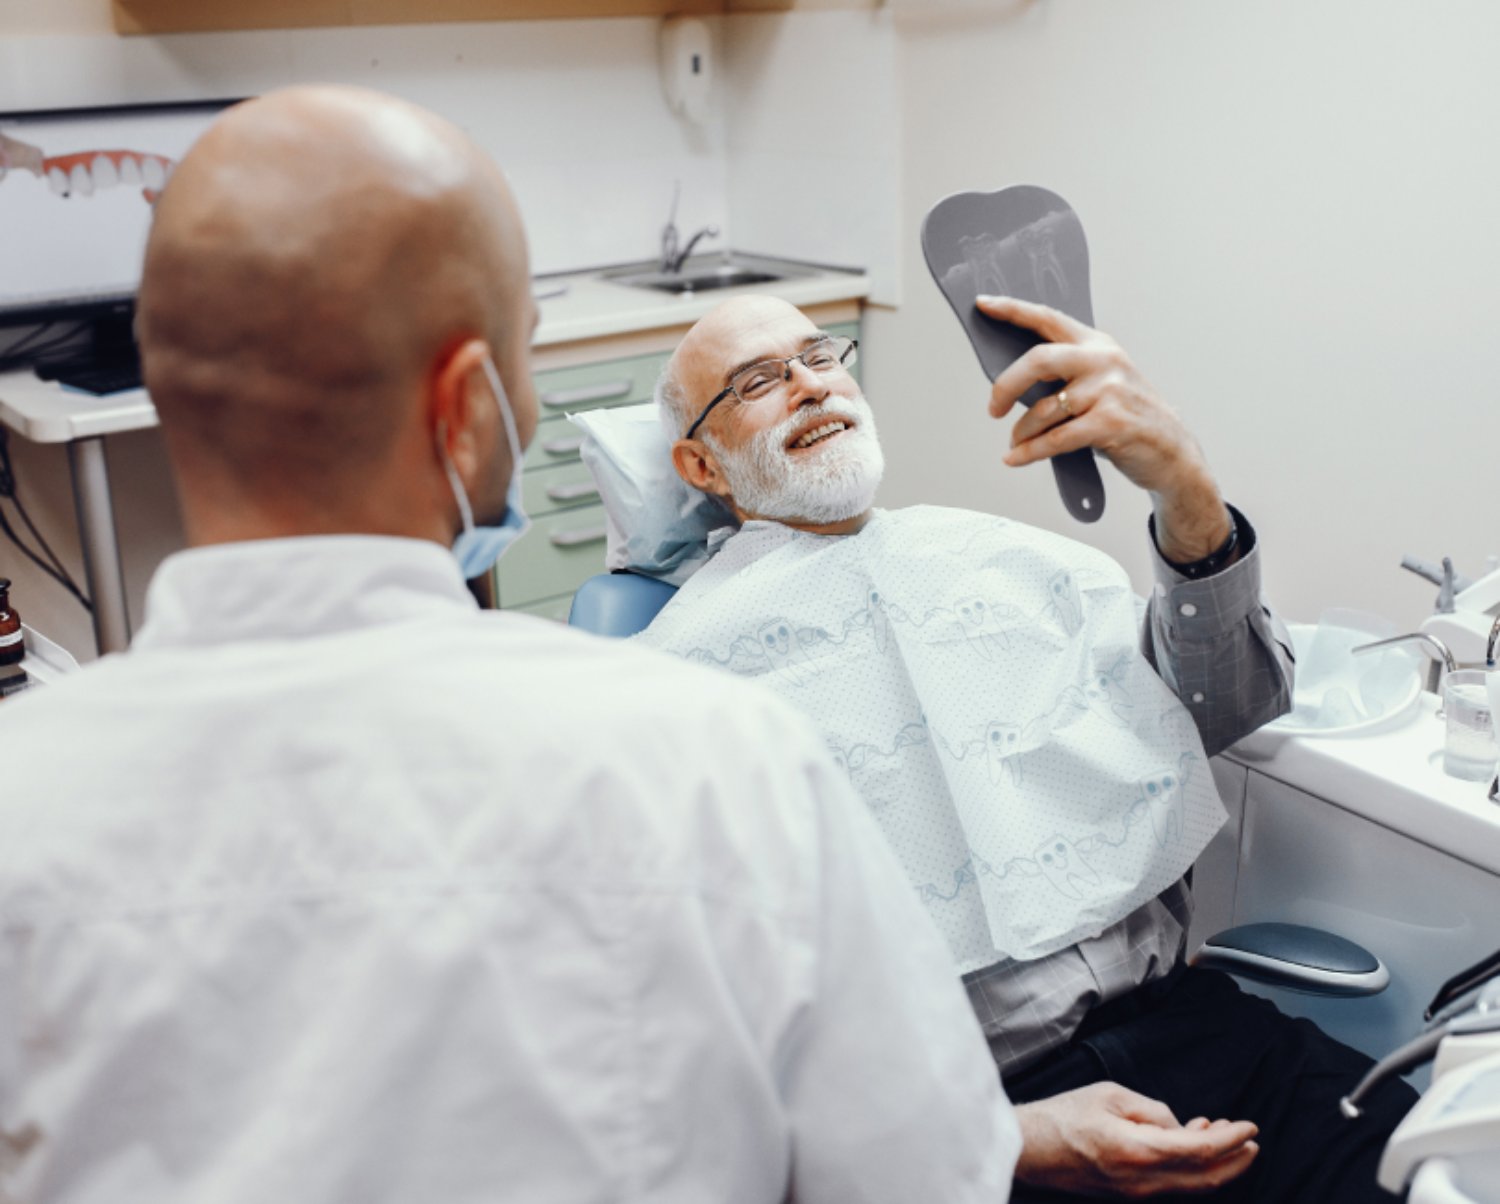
{"type": "Point", "coordinates": [76, 193]}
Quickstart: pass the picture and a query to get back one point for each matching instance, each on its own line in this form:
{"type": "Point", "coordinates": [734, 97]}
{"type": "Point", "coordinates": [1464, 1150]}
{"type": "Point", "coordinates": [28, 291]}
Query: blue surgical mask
{"type": "Point", "coordinates": [478, 548]}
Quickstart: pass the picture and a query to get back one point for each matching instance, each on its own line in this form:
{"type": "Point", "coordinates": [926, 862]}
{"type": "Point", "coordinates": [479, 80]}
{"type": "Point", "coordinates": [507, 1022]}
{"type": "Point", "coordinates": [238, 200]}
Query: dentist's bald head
{"type": "Point", "coordinates": [326, 270]}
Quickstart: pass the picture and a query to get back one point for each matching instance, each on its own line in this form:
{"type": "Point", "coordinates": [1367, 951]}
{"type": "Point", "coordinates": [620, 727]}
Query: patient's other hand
{"type": "Point", "coordinates": [1112, 408]}
{"type": "Point", "coordinates": [1105, 1139]}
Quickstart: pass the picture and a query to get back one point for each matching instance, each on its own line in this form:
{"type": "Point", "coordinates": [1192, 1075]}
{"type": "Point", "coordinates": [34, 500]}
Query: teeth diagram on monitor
{"type": "Point", "coordinates": [78, 190]}
{"type": "Point", "coordinates": [82, 173]}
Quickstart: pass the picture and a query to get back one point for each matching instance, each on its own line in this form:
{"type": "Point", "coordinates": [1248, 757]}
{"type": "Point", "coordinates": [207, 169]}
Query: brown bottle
{"type": "Point", "coordinates": [12, 646]}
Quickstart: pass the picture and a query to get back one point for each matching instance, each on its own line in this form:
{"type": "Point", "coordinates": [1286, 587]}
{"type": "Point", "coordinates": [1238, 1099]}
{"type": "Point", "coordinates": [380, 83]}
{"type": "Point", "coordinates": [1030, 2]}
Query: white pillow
{"type": "Point", "coordinates": [657, 524]}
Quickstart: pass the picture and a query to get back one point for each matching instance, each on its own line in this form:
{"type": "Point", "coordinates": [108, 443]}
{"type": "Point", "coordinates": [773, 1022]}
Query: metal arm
{"type": "Point", "coordinates": [1420, 637]}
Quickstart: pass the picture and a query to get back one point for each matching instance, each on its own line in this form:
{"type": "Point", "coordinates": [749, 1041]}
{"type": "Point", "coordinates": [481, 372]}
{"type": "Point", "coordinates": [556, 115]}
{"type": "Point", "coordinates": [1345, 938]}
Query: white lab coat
{"type": "Point", "coordinates": [335, 888]}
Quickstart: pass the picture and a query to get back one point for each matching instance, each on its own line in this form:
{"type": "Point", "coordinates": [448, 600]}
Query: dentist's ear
{"type": "Point", "coordinates": [695, 464]}
{"type": "Point", "coordinates": [459, 396]}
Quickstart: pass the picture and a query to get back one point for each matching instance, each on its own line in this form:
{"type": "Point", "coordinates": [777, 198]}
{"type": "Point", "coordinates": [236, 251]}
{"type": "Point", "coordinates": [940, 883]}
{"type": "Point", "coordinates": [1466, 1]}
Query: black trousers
{"type": "Point", "coordinates": [1205, 1048]}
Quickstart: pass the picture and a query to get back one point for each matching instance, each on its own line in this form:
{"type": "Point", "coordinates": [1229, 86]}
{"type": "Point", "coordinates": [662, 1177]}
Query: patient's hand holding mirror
{"type": "Point", "coordinates": [1023, 242]}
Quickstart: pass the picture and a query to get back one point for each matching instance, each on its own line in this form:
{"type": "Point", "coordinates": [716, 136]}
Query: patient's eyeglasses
{"type": "Point", "coordinates": [770, 378]}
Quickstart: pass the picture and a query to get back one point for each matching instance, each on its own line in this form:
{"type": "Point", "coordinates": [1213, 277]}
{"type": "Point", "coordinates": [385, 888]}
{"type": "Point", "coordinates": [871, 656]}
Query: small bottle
{"type": "Point", "coordinates": [12, 641]}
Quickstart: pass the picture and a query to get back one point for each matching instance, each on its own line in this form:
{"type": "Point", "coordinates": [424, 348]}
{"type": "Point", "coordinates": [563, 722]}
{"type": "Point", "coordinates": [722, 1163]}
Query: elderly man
{"type": "Point", "coordinates": [988, 690]}
{"type": "Point", "coordinates": [334, 888]}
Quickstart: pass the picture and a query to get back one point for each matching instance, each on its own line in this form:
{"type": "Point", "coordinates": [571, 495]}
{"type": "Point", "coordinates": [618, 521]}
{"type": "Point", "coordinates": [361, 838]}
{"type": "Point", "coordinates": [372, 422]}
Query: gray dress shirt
{"type": "Point", "coordinates": [1220, 649]}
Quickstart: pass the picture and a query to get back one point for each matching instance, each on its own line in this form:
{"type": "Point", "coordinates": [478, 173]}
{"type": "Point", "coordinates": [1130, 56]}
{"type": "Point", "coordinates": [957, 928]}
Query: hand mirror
{"type": "Point", "coordinates": [1021, 242]}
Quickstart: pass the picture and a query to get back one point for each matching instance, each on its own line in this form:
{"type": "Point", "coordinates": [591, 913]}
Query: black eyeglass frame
{"type": "Point", "coordinates": [786, 364]}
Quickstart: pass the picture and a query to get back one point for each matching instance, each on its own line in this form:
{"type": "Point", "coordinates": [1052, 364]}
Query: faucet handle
{"type": "Point", "coordinates": [669, 231]}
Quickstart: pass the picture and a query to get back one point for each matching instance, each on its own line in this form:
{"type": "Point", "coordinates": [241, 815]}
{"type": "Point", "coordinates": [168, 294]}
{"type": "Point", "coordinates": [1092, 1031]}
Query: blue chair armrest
{"type": "Point", "coordinates": [1295, 957]}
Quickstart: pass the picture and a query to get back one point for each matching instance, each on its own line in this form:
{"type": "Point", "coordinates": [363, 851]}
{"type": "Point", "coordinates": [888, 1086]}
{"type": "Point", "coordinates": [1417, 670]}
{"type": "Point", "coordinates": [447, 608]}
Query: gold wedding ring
{"type": "Point", "coordinates": [1062, 404]}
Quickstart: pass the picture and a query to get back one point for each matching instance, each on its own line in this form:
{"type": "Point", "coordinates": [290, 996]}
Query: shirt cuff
{"type": "Point", "coordinates": [1209, 607]}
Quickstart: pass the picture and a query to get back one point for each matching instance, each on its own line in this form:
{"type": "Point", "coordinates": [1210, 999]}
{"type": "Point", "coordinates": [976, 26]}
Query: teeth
{"type": "Point", "coordinates": [819, 432]}
{"type": "Point", "coordinates": [153, 175]}
{"type": "Point", "coordinates": [105, 173]}
{"type": "Point", "coordinates": [130, 171]}
{"type": "Point", "coordinates": [80, 181]}
{"type": "Point", "coordinates": [57, 180]}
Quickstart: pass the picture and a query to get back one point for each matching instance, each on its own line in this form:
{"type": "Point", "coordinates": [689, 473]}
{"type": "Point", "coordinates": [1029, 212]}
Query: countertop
{"type": "Point", "coordinates": [1392, 775]}
{"type": "Point", "coordinates": [594, 307]}
{"type": "Point", "coordinates": [591, 307]}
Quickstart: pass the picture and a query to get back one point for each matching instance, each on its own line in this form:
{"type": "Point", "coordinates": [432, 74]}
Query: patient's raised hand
{"type": "Point", "coordinates": [1102, 401]}
{"type": "Point", "coordinates": [1106, 1140]}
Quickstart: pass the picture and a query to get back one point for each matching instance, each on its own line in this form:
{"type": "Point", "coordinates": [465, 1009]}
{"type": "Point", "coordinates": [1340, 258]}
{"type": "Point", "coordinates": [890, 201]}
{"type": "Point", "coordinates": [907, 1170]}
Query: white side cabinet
{"type": "Point", "coordinates": [1293, 856]}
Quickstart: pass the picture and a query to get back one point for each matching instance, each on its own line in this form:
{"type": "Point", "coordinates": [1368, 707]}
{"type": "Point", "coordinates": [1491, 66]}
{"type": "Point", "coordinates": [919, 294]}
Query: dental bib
{"type": "Point", "coordinates": [981, 683]}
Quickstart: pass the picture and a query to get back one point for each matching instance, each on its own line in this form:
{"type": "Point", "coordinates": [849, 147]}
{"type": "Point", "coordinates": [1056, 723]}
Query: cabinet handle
{"type": "Point", "coordinates": [573, 539]}
{"type": "Point", "coordinates": [559, 399]}
{"type": "Point", "coordinates": [562, 447]}
{"type": "Point", "coordinates": [572, 493]}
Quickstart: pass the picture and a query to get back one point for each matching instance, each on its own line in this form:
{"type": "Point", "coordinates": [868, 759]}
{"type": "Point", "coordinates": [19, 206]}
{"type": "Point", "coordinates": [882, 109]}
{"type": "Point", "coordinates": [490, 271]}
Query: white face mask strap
{"type": "Point", "coordinates": [465, 511]}
{"type": "Point", "coordinates": [511, 434]}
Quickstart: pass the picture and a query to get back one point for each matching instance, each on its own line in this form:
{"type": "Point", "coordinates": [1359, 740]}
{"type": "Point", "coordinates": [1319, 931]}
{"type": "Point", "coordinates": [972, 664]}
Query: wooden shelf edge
{"type": "Point", "coordinates": [133, 17]}
{"type": "Point", "coordinates": [205, 16]}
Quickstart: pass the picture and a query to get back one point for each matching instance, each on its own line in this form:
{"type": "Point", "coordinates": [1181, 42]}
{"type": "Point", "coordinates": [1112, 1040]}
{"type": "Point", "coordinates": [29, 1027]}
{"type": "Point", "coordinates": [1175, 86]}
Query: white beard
{"type": "Point", "coordinates": [827, 484]}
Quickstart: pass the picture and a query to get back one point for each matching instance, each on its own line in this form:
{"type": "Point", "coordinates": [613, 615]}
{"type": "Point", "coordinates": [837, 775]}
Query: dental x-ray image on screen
{"type": "Point", "coordinates": [76, 192]}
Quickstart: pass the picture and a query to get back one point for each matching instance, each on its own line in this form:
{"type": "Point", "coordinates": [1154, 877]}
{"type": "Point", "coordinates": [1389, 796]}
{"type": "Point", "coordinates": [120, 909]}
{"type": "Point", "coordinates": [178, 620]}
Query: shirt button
{"type": "Point", "coordinates": [1187, 610]}
{"type": "Point", "coordinates": [1198, 697]}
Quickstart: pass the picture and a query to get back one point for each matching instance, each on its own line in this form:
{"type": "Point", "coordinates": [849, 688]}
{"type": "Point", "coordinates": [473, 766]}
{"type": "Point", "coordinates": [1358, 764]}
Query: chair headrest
{"type": "Point", "coordinates": [657, 524]}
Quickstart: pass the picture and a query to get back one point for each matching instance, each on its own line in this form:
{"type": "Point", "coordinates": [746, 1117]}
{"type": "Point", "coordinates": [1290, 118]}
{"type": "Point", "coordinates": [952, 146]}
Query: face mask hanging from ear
{"type": "Point", "coordinates": [478, 548]}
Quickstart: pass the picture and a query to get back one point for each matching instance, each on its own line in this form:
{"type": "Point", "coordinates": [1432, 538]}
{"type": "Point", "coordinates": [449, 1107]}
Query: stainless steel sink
{"type": "Point", "coordinates": [701, 276]}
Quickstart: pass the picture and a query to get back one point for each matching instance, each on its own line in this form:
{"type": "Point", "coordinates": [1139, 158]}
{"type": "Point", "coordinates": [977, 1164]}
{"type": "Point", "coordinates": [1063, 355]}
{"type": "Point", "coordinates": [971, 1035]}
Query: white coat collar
{"type": "Point", "coordinates": [291, 588]}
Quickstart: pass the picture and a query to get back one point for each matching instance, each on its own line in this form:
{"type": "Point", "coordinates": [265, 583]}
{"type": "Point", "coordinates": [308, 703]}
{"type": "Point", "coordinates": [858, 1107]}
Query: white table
{"type": "Point", "coordinates": [46, 412]}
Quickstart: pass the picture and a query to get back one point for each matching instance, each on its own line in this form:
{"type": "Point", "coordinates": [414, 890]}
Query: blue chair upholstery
{"type": "Point", "coordinates": [618, 604]}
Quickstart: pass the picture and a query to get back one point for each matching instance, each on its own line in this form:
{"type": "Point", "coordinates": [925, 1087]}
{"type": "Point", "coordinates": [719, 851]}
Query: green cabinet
{"type": "Point", "coordinates": [565, 546]}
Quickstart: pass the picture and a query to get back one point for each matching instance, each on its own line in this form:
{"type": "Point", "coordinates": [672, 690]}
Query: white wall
{"type": "Point", "coordinates": [1291, 209]}
{"type": "Point", "coordinates": [814, 140]}
{"type": "Point", "coordinates": [571, 109]}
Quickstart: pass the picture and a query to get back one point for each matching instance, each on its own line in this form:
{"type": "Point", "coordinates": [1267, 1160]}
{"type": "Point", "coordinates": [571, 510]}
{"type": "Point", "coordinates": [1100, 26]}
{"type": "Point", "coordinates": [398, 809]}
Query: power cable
{"type": "Point", "coordinates": [55, 569]}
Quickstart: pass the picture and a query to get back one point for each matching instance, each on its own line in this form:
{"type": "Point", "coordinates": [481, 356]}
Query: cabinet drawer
{"type": "Point", "coordinates": [558, 554]}
{"type": "Point", "coordinates": [557, 488]}
{"type": "Point", "coordinates": [556, 442]}
{"type": "Point", "coordinates": [587, 386]}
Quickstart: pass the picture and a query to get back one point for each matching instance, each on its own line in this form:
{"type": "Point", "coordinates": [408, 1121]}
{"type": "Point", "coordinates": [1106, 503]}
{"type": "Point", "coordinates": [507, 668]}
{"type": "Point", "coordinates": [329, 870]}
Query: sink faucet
{"type": "Point", "coordinates": [672, 258]}
{"type": "Point", "coordinates": [1442, 657]}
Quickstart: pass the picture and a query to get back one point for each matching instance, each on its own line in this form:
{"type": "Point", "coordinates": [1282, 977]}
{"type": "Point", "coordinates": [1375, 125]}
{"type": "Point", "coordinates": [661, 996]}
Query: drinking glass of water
{"type": "Point", "coordinates": [1469, 750]}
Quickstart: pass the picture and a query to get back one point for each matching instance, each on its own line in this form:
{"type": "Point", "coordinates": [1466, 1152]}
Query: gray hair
{"type": "Point", "coordinates": [671, 401]}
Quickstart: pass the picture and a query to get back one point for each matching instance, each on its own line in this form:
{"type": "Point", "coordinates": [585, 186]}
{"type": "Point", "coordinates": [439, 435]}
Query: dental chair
{"type": "Point", "coordinates": [618, 604]}
{"type": "Point", "coordinates": [1290, 956]}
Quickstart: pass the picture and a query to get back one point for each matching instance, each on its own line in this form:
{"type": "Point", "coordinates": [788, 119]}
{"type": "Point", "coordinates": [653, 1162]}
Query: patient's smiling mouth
{"type": "Point", "coordinates": [820, 430]}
